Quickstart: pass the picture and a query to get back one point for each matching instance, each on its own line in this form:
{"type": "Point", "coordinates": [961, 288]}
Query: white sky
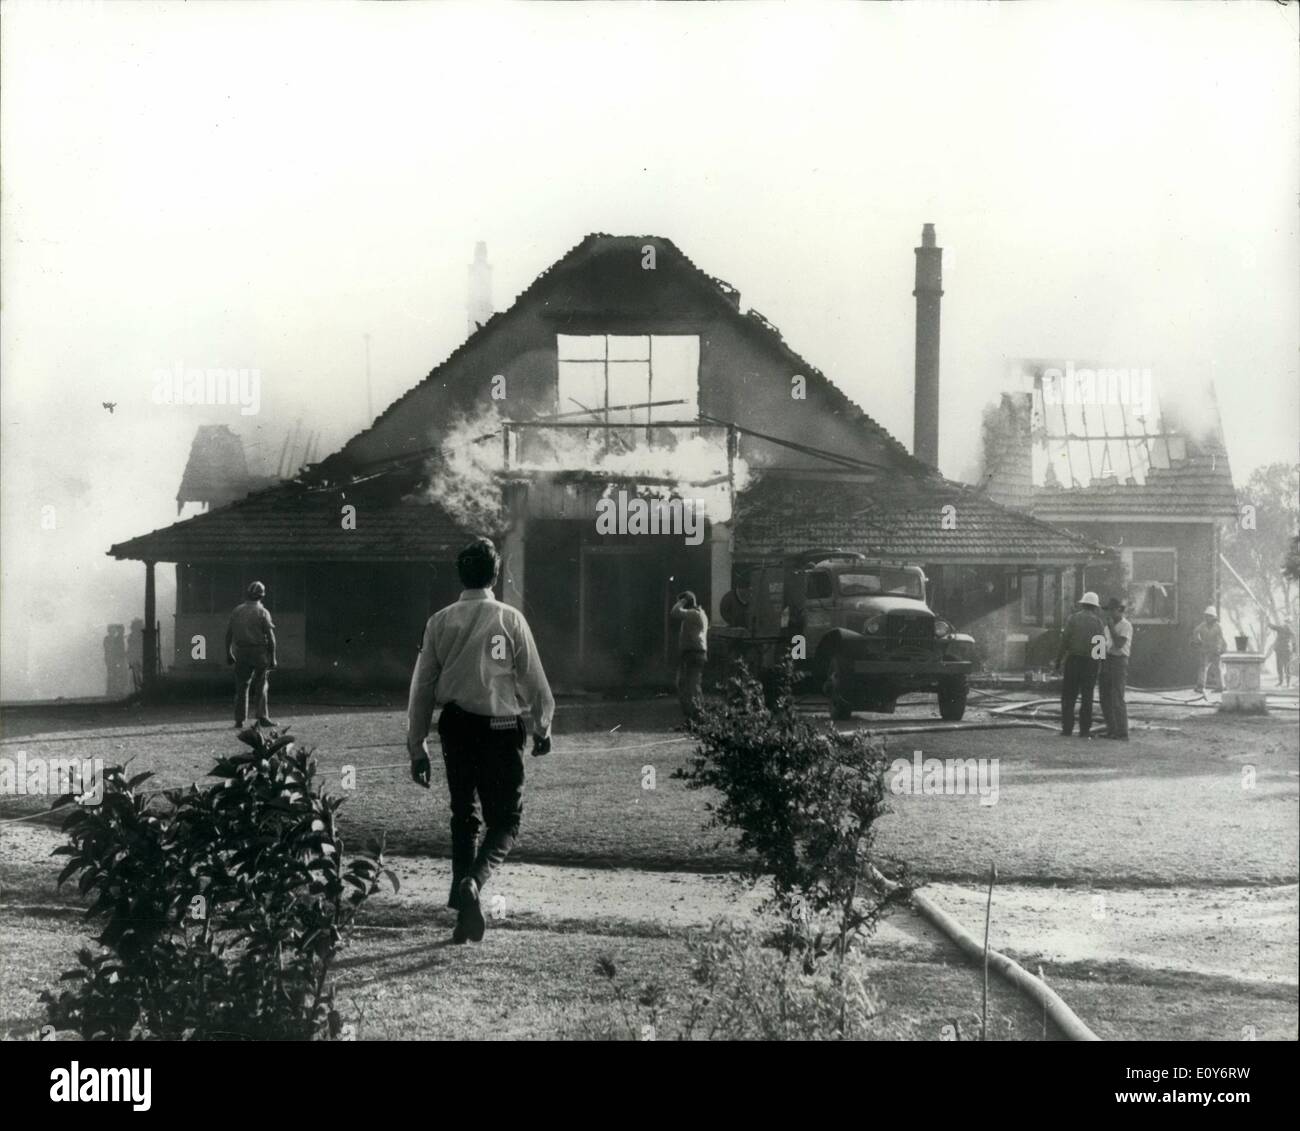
{"type": "Point", "coordinates": [259, 185]}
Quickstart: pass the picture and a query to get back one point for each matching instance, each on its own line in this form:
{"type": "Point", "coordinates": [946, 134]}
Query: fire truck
{"type": "Point", "coordinates": [856, 627]}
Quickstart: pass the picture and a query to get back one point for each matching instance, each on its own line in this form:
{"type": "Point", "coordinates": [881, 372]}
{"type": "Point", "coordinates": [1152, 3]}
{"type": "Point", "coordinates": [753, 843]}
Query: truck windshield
{"type": "Point", "coordinates": [899, 582]}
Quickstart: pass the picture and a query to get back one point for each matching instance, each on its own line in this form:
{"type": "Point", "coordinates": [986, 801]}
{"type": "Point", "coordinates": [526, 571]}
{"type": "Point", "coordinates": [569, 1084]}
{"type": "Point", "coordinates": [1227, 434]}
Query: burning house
{"type": "Point", "coordinates": [1096, 450]}
{"type": "Point", "coordinates": [625, 431]}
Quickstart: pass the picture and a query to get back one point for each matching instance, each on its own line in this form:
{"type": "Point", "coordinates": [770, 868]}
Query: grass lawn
{"type": "Point", "coordinates": [1166, 808]}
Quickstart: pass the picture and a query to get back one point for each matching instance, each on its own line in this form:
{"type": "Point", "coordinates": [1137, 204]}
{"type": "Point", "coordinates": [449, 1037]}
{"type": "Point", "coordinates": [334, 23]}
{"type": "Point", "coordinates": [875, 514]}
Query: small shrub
{"type": "Point", "coordinates": [222, 908]}
{"type": "Point", "coordinates": [803, 798]}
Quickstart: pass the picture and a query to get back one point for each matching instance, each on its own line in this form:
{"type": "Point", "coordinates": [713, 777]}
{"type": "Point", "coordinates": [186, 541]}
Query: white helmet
{"type": "Point", "coordinates": [1090, 598]}
{"type": "Point", "coordinates": [1211, 611]}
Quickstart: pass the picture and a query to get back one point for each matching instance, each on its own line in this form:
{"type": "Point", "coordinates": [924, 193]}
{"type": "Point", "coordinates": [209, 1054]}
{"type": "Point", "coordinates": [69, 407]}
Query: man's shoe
{"type": "Point", "coordinates": [1066, 734]}
{"type": "Point", "coordinates": [470, 914]}
{"type": "Point", "coordinates": [458, 935]}
{"type": "Point", "coordinates": [263, 721]}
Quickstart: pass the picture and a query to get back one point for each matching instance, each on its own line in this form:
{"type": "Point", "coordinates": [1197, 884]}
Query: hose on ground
{"type": "Point", "coordinates": [936, 728]}
{"type": "Point", "coordinates": [1066, 1020]}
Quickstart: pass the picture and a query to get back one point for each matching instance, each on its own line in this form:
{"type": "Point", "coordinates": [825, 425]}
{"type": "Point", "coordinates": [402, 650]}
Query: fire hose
{"type": "Point", "coordinates": [1066, 1020]}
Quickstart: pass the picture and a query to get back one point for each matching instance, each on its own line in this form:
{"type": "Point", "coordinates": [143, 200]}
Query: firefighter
{"type": "Point", "coordinates": [1283, 639]}
{"type": "Point", "coordinates": [1083, 644]}
{"type": "Point", "coordinates": [1210, 645]}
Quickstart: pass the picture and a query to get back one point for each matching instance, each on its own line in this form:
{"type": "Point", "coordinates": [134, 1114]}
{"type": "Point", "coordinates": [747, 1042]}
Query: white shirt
{"type": "Point", "coordinates": [1123, 628]}
{"type": "Point", "coordinates": [694, 634]}
{"type": "Point", "coordinates": [479, 654]}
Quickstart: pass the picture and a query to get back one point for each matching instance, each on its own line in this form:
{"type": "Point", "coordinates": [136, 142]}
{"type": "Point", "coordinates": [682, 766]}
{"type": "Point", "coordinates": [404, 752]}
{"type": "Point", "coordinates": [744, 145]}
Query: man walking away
{"type": "Point", "coordinates": [1083, 644]}
{"type": "Point", "coordinates": [250, 646]}
{"type": "Point", "coordinates": [693, 651]}
{"type": "Point", "coordinates": [1210, 645]}
{"type": "Point", "coordinates": [1114, 670]}
{"type": "Point", "coordinates": [478, 662]}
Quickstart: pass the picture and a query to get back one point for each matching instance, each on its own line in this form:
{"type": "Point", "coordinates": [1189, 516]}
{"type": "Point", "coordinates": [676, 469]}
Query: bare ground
{"type": "Point", "coordinates": [1154, 881]}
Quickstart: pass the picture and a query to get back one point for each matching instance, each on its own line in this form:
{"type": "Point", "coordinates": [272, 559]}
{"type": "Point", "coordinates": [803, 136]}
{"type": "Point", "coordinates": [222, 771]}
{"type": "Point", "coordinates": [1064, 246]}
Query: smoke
{"type": "Point", "coordinates": [466, 477]}
{"type": "Point", "coordinates": [476, 460]}
{"type": "Point", "coordinates": [57, 518]}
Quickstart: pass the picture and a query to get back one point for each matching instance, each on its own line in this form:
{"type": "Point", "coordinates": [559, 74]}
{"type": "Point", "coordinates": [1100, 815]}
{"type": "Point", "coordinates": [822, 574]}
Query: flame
{"type": "Point", "coordinates": [467, 477]}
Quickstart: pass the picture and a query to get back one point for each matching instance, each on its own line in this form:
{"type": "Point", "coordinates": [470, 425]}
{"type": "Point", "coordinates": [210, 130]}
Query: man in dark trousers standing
{"type": "Point", "coordinates": [1114, 670]}
{"type": "Point", "coordinates": [478, 662]}
{"type": "Point", "coordinates": [250, 646]}
{"type": "Point", "coordinates": [1083, 646]}
{"type": "Point", "coordinates": [692, 650]}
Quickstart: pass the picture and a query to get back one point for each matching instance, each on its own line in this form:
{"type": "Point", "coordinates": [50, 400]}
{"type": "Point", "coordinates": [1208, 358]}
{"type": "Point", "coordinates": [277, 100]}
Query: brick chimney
{"type": "Point", "coordinates": [928, 292]}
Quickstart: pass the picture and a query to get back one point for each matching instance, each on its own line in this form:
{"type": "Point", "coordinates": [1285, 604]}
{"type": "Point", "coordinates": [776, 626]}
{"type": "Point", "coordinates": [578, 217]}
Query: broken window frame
{"type": "Point", "coordinates": [1136, 587]}
{"type": "Point", "coordinates": [611, 356]}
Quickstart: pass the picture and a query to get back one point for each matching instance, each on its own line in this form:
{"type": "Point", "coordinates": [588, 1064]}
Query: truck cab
{"type": "Point", "coordinates": [858, 627]}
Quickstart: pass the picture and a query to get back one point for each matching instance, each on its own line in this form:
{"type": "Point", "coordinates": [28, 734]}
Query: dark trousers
{"type": "Point", "coordinates": [1114, 681]}
{"type": "Point", "coordinates": [250, 674]}
{"type": "Point", "coordinates": [487, 764]}
{"type": "Point", "coordinates": [1079, 682]}
{"type": "Point", "coordinates": [690, 678]}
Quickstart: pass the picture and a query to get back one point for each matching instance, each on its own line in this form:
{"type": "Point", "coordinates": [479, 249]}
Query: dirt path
{"type": "Point", "coordinates": [1244, 934]}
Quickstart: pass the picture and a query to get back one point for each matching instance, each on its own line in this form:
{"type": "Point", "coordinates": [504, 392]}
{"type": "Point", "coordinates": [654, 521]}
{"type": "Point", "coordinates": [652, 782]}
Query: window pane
{"type": "Point", "coordinates": [629, 348]}
{"type": "Point", "coordinates": [1029, 598]}
{"type": "Point", "coordinates": [1049, 598]}
{"type": "Point", "coordinates": [581, 385]}
{"type": "Point", "coordinates": [1154, 565]}
{"type": "Point", "coordinates": [1152, 600]}
{"type": "Point", "coordinates": [580, 347]}
{"type": "Point", "coordinates": [629, 383]}
{"type": "Point", "coordinates": [675, 375]}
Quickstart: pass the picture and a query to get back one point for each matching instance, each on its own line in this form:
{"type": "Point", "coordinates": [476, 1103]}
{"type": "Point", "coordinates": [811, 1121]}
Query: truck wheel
{"type": "Point", "coordinates": [840, 709]}
{"type": "Point", "coordinates": [952, 697]}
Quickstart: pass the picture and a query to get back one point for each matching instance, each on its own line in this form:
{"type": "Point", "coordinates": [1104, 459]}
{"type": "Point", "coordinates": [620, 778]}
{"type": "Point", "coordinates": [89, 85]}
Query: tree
{"type": "Point", "coordinates": [1262, 547]}
{"type": "Point", "coordinates": [1291, 568]}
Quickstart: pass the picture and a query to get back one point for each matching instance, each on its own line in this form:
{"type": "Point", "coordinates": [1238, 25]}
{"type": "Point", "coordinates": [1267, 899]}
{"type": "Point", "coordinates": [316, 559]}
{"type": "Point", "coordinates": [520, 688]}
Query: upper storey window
{"type": "Point", "coordinates": [603, 374]}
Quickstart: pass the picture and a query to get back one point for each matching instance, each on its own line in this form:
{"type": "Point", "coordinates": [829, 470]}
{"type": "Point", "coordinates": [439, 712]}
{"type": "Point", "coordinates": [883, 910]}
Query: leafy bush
{"type": "Point", "coordinates": [223, 907]}
{"type": "Point", "coordinates": [804, 799]}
